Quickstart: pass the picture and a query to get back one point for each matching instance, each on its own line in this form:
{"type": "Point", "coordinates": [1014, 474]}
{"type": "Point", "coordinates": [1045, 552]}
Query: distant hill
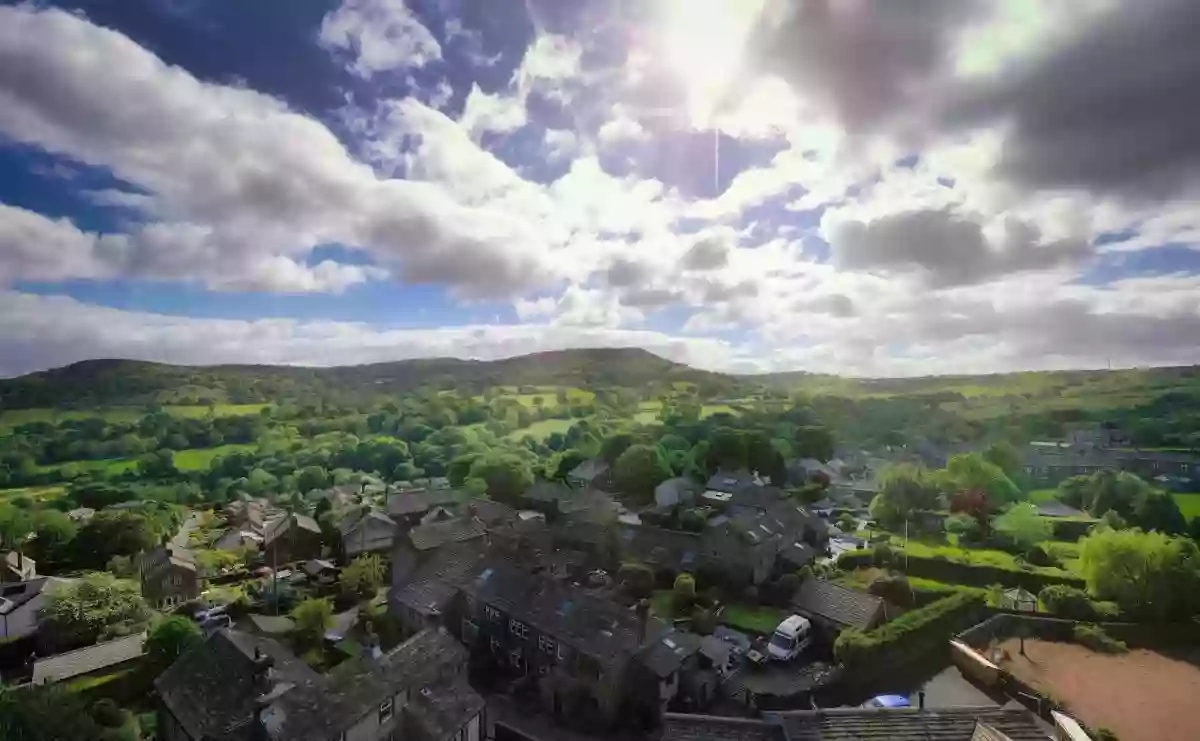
{"type": "Point", "coordinates": [124, 382]}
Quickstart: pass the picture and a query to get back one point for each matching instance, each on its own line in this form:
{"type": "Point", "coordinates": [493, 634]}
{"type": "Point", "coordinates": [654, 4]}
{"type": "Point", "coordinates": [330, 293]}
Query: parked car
{"type": "Point", "coordinates": [790, 639]}
{"type": "Point", "coordinates": [214, 623]}
{"type": "Point", "coordinates": [888, 701]}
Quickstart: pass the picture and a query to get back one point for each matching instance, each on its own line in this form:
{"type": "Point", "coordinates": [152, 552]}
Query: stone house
{"type": "Point", "coordinates": [292, 537]}
{"type": "Point", "coordinates": [168, 576]}
{"type": "Point", "coordinates": [21, 603]}
{"type": "Point", "coordinates": [367, 532]}
{"type": "Point", "coordinates": [833, 608]}
{"type": "Point", "coordinates": [238, 687]}
{"type": "Point", "coordinates": [420, 543]}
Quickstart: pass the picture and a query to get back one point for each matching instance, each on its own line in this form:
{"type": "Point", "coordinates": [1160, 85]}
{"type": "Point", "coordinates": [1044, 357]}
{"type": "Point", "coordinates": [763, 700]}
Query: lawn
{"type": "Point", "coordinates": [976, 556]}
{"type": "Point", "coordinates": [1042, 496]}
{"type": "Point", "coordinates": [756, 619]}
{"type": "Point", "coordinates": [1189, 505]}
{"type": "Point", "coordinates": [543, 428]}
{"type": "Point", "coordinates": [199, 459]}
{"type": "Point", "coordinates": [1141, 695]}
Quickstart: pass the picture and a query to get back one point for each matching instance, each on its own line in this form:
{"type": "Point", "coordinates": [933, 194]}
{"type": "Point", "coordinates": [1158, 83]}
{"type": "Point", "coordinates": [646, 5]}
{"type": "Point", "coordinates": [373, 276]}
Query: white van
{"type": "Point", "coordinates": [790, 639]}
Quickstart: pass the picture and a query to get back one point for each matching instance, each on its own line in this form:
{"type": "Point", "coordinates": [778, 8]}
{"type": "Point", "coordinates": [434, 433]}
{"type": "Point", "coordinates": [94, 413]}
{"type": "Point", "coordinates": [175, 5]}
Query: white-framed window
{"type": "Point", "coordinates": [546, 644]}
{"type": "Point", "coordinates": [386, 710]}
{"type": "Point", "coordinates": [517, 628]}
{"type": "Point", "coordinates": [491, 613]}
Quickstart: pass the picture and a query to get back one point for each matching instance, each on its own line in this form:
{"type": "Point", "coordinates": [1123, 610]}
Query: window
{"type": "Point", "coordinates": [491, 613]}
{"type": "Point", "coordinates": [518, 629]}
{"type": "Point", "coordinates": [385, 711]}
{"type": "Point", "coordinates": [546, 644]}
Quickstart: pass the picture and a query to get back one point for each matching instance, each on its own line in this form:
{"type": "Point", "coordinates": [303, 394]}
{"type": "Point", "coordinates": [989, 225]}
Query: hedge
{"type": "Point", "coordinates": [956, 572]}
{"type": "Point", "coordinates": [914, 633]}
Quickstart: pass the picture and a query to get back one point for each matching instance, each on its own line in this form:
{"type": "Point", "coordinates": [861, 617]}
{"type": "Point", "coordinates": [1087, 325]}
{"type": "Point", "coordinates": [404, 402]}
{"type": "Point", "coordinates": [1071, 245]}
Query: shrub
{"type": "Point", "coordinates": [883, 554]}
{"type": "Point", "coordinates": [1094, 637]}
{"type": "Point", "coordinates": [683, 593]}
{"type": "Point", "coordinates": [106, 713]}
{"type": "Point", "coordinates": [918, 630]}
{"type": "Point", "coordinates": [847, 522]}
{"type": "Point", "coordinates": [636, 579]}
{"type": "Point", "coordinates": [1038, 556]}
{"type": "Point", "coordinates": [893, 587]}
{"type": "Point", "coordinates": [1068, 602]}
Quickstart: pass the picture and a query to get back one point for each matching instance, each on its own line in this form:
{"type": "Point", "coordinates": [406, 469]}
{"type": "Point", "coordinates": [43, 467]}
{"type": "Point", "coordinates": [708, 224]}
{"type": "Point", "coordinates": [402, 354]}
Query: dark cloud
{"type": "Point", "coordinates": [624, 272]}
{"type": "Point", "coordinates": [1114, 109]}
{"type": "Point", "coordinates": [865, 59]}
{"type": "Point", "coordinates": [708, 253]}
{"type": "Point", "coordinates": [947, 249]}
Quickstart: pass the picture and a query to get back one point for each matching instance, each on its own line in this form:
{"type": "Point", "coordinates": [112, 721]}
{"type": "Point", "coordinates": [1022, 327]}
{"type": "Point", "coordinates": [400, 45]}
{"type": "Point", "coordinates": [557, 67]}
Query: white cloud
{"type": "Point", "coordinates": [33, 247]}
{"type": "Point", "coordinates": [244, 177]}
{"type": "Point", "coordinates": [497, 113]}
{"type": "Point", "coordinates": [378, 35]}
{"type": "Point", "coordinates": [549, 63]}
{"type": "Point", "coordinates": [621, 129]}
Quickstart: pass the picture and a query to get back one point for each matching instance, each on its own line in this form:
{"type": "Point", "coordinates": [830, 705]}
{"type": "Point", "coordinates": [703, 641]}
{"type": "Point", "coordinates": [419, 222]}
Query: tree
{"type": "Point", "coordinates": [312, 477]}
{"type": "Point", "coordinates": [112, 533]}
{"type": "Point", "coordinates": [894, 588]}
{"type": "Point", "coordinates": [962, 525]}
{"type": "Point", "coordinates": [1005, 457]}
{"type": "Point", "coordinates": [1022, 524]}
{"type": "Point", "coordinates": [363, 576]}
{"type": "Point", "coordinates": [971, 472]}
{"type": "Point", "coordinates": [813, 441]}
{"type": "Point", "coordinates": [638, 471]}
{"type": "Point", "coordinates": [159, 464]}
{"type": "Point", "coordinates": [169, 638]}
{"type": "Point", "coordinates": [903, 490]}
{"type": "Point", "coordinates": [614, 446]}
{"type": "Point", "coordinates": [94, 607]}
{"type": "Point", "coordinates": [1148, 574]}
{"type": "Point", "coordinates": [312, 618]}
{"type": "Point", "coordinates": [636, 578]}
{"type": "Point", "coordinates": [505, 476]}
{"type": "Point", "coordinates": [48, 712]}
{"type": "Point", "coordinates": [728, 448]}
{"type": "Point", "coordinates": [567, 462]}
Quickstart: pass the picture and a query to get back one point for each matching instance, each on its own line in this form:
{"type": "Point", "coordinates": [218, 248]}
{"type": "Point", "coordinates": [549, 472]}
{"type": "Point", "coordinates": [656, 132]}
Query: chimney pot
{"type": "Point", "coordinates": [921, 700]}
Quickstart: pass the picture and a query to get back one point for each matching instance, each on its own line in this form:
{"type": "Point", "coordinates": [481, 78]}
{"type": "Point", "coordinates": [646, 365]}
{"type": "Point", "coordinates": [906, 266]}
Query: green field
{"type": "Point", "coordinates": [14, 417]}
{"type": "Point", "coordinates": [36, 493]}
{"type": "Point", "coordinates": [107, 465]}
{"type": "Point", "coordinates": [1189, 505]}
{"type": "Point", "coordinates": [199, 459]}
{"type": "Point", "coordinates": [543, 429]}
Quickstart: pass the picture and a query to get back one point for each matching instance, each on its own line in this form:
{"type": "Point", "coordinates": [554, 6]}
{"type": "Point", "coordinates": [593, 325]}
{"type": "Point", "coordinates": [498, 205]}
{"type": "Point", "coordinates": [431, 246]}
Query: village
{"type": "Point", "coordinates": [736, 607]}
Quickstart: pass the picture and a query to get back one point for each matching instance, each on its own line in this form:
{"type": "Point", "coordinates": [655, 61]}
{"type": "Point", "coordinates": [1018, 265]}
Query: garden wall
{"type": "Point", "coordinates": [1005, 624]}
{"type": "Point", "coordinates": [975, 575]}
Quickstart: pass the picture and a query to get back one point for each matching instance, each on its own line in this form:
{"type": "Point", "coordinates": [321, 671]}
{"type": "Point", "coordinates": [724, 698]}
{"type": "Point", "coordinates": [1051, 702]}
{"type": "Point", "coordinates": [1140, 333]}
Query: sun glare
{"type": "Point", "coordinates": [704, 41]}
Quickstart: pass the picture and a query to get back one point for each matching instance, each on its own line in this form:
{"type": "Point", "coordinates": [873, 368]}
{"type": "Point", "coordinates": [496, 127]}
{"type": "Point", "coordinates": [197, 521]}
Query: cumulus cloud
{"type": "Point", "coordinates": [492, 113]}
{"type": "Point", "coordinates": [241, 175]}
{"type": "Point", "coordinates": [33, 247]}
{"type": "Point", "coordinates": [378, 35]}
{"type": "Point", "coordinates": [945, 248]}
{"type": "Point", "coordinates": [1113, 109]}
{"type": "Point", "coordinates": [709, 252]}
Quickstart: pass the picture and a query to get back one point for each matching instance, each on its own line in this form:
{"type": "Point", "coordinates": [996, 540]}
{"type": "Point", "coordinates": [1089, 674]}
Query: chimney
{"type": "Point", "coordinates": [643, 617]}
{"type": "Point", "coordinates": [921, 700]}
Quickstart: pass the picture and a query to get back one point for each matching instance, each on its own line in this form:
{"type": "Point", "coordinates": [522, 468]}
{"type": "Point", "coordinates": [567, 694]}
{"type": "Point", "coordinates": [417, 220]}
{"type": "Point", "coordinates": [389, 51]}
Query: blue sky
{"type": "Point", "coordinates": [744, 185]}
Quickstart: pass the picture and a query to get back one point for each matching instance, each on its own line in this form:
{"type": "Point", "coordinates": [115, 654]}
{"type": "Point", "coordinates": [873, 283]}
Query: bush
{"type": "Point", "coordinates": [847, 522]}
{"type": "Point", "coordinates": [1038, 556]}
{"type": "Point", "coordinates": [893, 587]}
{"type": "Point", "coordinates": [883, 554]}
{"type": "Point", "coordinates": [636, 579]}
{"type": "Point", "coordinates": [1094, 637]}
{"type": "Point", "coordinates": [1068, 602]}
{"type": "Point", "coordinates": [683, 593]}
{"type": "Point", "coordinates": [106, 713]}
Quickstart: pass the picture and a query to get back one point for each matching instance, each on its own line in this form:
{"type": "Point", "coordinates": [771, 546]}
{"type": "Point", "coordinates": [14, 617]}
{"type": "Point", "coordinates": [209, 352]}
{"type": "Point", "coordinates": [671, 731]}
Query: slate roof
{"type": "Point", "coordinates": [602, 629]}
{"type": "Point", "coordinates": [730, 481]}
{"type": "Point", "coordinates": [549, 491]}
{"type": "Point", "coordinates": [488, 510]}
{"type": "Point", "coordinates": [354, 523]}
{"type": "Point", "coordinates": [438, 710]}
{"type": "Point", "coordinates": [691, 727]}
{"type": "Point", "coordinates": [589, 469]}
{"type": "Point", "coordinates": [89, 659]}
{"type": "Point", "coordinates": [458, 530]}
{"type": "Point", "coordinates": [908, 724]}
{"type": "Point", "coordinates": [666, 655]}
{"type": "Point", "coordinates": [797, 554]}
{"type": "Point", "coordinates": [435, 583]}
{"type": "Point", "coordinates": [837, 604]}
{"type": "Point", "coordinates": [12, 596]}
{"type": "Point", "coordinates": [211, 689]}
{"type": "Point", "coordinates": [758, 497]}
{"type": "Point", "coordinates": [415, 502]}
{"type": "Point", "coordinates": [857, 724]}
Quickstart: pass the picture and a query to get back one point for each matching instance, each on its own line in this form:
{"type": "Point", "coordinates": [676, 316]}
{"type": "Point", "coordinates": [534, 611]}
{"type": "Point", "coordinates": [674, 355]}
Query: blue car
{"type": "Point", "coordinates": [888, 701]}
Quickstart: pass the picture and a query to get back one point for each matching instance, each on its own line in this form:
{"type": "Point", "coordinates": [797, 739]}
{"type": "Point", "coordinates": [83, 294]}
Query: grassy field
{"type": "Point", "coordinates": [755, 619]}
{"type": "Point", "coordinates": [14, 417]}
{"type": "Point", "coordinates": [543, 429]}
{"type": "Point", "coordinates": [978, 556]}
{"type": "Point", "coordinates": [199, 459]}
{"type": "Point", "coordinates": [1042, 496]}
{"type": "Point", "coordinates": [36, 493]}
{"type": "Point", "coordinates": [1189, 505]}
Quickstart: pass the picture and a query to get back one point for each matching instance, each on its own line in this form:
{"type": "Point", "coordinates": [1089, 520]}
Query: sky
{"type": "Point", "coordinates": [888, 188]}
